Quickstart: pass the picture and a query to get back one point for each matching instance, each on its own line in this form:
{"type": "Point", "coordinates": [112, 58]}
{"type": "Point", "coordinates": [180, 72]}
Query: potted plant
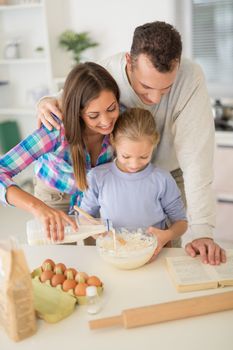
{"type": "Point", "coordinates": [76, 42]}
{"type": "Point", "coordinates": [39, 51]}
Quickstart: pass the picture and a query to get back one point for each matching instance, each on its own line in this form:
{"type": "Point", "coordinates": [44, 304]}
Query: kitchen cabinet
{"type": "Point", "coordinates": [30, 58]}
{"type": "Point", "coordinates": [223, 185]}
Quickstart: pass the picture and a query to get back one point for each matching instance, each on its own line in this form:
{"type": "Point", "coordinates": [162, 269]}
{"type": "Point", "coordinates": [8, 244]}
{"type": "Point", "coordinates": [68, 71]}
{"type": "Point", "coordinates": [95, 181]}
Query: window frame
{"type": "Point", "coordinates": [184, 18]}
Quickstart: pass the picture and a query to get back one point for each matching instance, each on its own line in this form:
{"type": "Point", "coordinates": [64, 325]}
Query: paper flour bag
{"type": "Point", "coordinates": [17, 314]}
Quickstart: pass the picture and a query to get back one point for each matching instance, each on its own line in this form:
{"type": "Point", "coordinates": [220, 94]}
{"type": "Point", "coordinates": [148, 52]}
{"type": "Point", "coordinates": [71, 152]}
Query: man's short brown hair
{"type": "Point", "coordinates": [160, 42]}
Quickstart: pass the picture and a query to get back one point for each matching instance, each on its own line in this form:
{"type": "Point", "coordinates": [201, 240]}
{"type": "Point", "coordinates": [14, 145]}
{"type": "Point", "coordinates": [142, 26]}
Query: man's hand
{"type": "Point", "coordinates": [210, 252]}
{"type": "Point", "coordinates": [45, 107]}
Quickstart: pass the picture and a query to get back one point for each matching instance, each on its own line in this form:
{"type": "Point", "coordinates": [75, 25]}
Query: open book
{"type": "Point", "coordinates": [190, 274]}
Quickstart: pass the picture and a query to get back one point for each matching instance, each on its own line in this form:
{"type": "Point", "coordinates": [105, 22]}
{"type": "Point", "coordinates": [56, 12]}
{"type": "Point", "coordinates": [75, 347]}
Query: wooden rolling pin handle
{"type": "Point", "coordinates": [176, 310]}
{"type": "Point", "coordinates": [169, 311]}
{"type": "Point", "coordinates": [106, 322]}
{"type": "Point", "coordinates": [86, 215]}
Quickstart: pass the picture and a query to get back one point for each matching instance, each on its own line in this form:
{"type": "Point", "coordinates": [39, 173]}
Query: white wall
{"type": "Point", "coordinates": [111, 23]}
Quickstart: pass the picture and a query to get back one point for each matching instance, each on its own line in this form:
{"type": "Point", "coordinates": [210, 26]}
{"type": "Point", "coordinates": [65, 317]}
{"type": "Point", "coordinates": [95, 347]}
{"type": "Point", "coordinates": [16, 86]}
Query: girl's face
{"type": "Point", "coordinates": [133, 156]}
{"type": "Point", "coordinates": [101, 113]}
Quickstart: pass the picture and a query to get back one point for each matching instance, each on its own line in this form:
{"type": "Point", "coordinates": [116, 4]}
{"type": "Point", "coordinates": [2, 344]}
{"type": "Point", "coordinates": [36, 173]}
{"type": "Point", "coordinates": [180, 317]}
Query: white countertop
{"type": "Point", "coordinates": [224, 138]}
{"type": "Point", "coordinates": [150, 284]}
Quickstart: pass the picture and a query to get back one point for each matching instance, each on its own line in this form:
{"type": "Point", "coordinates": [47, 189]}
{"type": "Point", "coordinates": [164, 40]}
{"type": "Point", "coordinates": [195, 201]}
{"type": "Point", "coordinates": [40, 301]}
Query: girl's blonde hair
{"type": "Point", "coordinates": [134, 124]}
{"type": "Point", "coordinates": [84, 83]}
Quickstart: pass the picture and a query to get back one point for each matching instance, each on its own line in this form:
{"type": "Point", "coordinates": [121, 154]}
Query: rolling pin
{"type": "Point", "coordinates": [173, 310]}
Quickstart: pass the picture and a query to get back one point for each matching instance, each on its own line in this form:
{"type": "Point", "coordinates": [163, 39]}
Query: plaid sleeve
{"type": "Point", "coordinates": [23, 154]}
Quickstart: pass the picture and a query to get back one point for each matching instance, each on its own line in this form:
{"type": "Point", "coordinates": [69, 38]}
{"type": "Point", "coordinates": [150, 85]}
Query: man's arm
{"type": "Point", "coordinates": [194, 143]}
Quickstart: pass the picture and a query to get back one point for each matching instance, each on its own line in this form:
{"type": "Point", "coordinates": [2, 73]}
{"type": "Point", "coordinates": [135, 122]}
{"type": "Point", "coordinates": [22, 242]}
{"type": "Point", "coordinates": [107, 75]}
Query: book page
{"type": "Point", "coordinates": [191, 274]}
{"type": "Point", "coordinates": [224, 272]}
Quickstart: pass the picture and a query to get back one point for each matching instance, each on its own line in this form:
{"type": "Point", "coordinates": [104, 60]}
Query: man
{"type": "Point", "coordinates": [155, 77]}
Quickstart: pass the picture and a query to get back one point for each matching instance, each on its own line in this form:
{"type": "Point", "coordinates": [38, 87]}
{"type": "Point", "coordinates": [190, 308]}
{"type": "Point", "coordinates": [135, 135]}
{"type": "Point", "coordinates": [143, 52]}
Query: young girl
{"type": "Point", "coordinates": [90, 108]}
{"type": "Point", "coordinates": [130, 191]}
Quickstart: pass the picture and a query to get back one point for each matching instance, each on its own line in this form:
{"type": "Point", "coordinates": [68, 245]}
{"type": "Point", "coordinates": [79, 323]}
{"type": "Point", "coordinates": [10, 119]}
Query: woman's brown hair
{"type": "Point", "coordinates": [84, 83]}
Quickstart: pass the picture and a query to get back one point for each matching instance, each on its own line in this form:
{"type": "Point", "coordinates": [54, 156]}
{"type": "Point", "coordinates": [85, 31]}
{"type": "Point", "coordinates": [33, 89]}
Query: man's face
{"type": "Point", "coordinates": [148, 83]}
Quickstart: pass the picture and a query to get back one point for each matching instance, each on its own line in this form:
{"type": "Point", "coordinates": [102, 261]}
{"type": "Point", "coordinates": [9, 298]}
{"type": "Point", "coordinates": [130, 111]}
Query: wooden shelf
{"type": "Point", "coordinates": [19, 7]}
{"type": "Point", "coordinates": [24, 61]}
{"type": "Point", "coordinates": [17, 111]}
{"type": "Point", "coordinates": [32, 74]}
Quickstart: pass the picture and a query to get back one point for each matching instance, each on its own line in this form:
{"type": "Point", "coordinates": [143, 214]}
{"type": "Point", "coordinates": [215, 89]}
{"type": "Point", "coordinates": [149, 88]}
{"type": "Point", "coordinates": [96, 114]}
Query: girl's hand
{"type": "Point", "coordinates": [54, 221]}
{"type": "Point", "coordinates": [162, 236]}
{"type": "Point", "coordinates": [45, 107]}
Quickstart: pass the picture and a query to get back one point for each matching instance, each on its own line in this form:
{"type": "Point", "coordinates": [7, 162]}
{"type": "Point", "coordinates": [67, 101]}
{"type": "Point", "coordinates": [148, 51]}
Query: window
{"type": "Point", "coordinates": [212, 41]}
{"type": "Point", "coordinates": [207, 32]}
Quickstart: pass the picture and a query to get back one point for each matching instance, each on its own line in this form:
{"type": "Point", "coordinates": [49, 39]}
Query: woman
{"type": "Point", "coordinates": [90, 107]}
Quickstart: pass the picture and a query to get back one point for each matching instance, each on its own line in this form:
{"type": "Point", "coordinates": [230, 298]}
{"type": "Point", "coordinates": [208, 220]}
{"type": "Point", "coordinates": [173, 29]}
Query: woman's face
{"type": "Point", "coordinates": [101, 113]}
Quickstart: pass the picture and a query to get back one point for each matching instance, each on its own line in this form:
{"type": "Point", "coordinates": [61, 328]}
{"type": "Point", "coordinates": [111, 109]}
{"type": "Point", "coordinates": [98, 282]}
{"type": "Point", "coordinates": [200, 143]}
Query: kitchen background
{"type": "Point", "coordinates": [33, 64]}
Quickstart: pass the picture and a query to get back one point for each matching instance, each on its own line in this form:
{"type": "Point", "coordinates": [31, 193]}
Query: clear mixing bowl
{"type": "Point", "coordinates": [126, 248]}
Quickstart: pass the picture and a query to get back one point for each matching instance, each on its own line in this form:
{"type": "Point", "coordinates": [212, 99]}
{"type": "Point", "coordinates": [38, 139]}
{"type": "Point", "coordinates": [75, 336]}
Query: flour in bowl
{"type": "Point", "coordinates": [137, 249]}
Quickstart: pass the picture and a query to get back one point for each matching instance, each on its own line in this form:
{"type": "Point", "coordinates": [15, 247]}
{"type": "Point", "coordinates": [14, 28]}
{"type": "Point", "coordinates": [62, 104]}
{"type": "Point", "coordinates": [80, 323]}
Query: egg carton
{"type": "Point", "coordinates": [52, 303]}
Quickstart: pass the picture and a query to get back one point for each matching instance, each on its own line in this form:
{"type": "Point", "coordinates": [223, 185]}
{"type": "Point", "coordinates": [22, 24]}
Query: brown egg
{"type": "Point", "coordinates": [70, 273]}
{"type": "Point", "coordinates": [69, 284]}
{"type": "Point", "coordinates": [94, 281]}
{"type": "Point", "coordinates": [59, 268]}
{"type": "Point", "coordinates": [46, 275]}
{"type": "Point", "coordinates": [57, 279]}
{"type": "Point", "coordinates": [80, 289]}
{"type": "Point", "coordinates": [48, 264]}
{"type": "Point", "coordinates": [81, 277]}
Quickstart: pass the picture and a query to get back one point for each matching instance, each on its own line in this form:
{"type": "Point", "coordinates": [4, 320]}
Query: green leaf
{"type": "Point", "coordinates": [76, 42]}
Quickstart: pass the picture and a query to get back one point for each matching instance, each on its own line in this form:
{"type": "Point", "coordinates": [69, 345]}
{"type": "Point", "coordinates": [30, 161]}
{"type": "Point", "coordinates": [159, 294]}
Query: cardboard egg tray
{"type": "Point", "coordinates": [52, 303]}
